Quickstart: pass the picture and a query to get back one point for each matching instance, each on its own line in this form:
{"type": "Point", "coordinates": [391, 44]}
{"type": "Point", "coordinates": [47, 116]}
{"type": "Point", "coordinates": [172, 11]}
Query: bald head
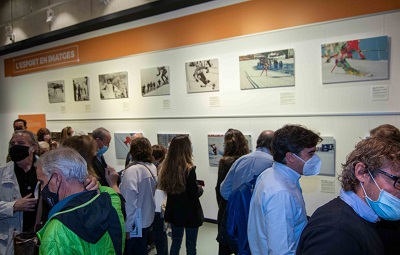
{"type": "Point", "coordinates": [264, 139]}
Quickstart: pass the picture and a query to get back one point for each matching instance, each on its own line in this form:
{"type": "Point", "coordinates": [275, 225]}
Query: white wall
{"type": "Point", "coordinates": [344, 111]}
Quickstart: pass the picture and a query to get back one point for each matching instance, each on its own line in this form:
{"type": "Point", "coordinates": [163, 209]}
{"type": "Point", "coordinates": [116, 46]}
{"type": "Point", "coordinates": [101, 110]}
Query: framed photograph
{"type": "Point", "coordinates": [216, 147]}
{"type": "Point", "coordinates": [355, 60]}
{"type": "Point", "coordinates": [56, 91]}
{"type": "Point", "coordinates": [326, 151]}
{"type": "Point", "coordinates": [267, 69]}
{"type": "Point", "coordinates": [165, 139]}
{"type": "Point", "coordinates": [155, 81]}
{"type": "Point", "coordinates": [113, 85]}
{"type": "Point", "coordinates": [81, 88]}
{"type": "Point", "coordinates": [202, 76]}
{"type": "Point", "coordinates": [122, 144]}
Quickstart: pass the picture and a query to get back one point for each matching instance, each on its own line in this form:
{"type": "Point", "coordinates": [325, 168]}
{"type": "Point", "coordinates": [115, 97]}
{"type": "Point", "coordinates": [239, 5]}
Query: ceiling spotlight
{"type": "Point", "coordinates": [50, 15]}
{"type": "Point", "coordinates": [10, 33]}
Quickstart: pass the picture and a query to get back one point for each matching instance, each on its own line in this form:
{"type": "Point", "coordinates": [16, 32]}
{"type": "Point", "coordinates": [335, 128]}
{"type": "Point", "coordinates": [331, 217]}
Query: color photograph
{"type": "Point", "coordinates": [122, 144]}
{"type": "Point", "coordinates": [267, 69]}
{"type": "Point", "coordinates": [355, 60]}
{"type": "Point", "coordinates": [81, 88]}
{"type": "Point", "coordinates": [56, 91]}
{"type": "Point", "coordinates": [113, 85]}
{"type": "Point", "coordinates": [202, 76]}
{"type": "Point", "coordinates": [155, 81]}
{"type": "Point", "coordinates": [216, 147]}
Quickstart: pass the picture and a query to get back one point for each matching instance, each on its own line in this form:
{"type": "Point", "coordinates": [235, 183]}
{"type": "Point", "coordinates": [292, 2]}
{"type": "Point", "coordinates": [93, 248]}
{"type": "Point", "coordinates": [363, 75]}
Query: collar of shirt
{"type": "Point", "coordinates": [263, 149]}
{"type": "Point", "coordinates": [287, 171]}
{"type": "Point", "coordinates": [57, 207]}
{"type": "Point", "coordinates": [359, 206]}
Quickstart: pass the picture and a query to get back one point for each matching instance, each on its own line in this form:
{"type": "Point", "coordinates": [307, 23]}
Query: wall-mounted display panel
{"type": "Point", "coordinates": [56, 91]}
{"type": "Point", "coordinates": [202, 76]}
{"type": "Point", "coordinates": [267, 69]}
{"type": "Point", "coordinates": [155, 81]}
{"type": "Point", "coordinates": [113, 85]}
{"type": "Point", "coordinates": [355, 60]}
{"type": "Point", "coordinates": [122, 144]}
{"type": "Point", "coordinates": [165, 139]}
{"type": "Point", "coordinates": [81, 88]}
{"type": "Point", "coordinates": [326, 152]}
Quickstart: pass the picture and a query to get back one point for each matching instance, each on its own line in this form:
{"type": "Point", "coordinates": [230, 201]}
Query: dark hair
{"type": "Point", "coordinates": [264, 139]}
{"type": "Point", "coordinates": [386, 131]}
{"type": "Point", "coordinates": [374, 153]}
{"type": "Point", "coordinates": [235, 144]}
{"type": "Point", "coordinates": [20, 120]}
{"type": "Point", "coordinates": [141, 150]}
{"type": "Point", "coordinates": [177, 163]}
{"type": "Point", "coordinates": [41, 133]}
{"type": "Point", "coordinates": [292, 138]}
{"type": "Point", "coordinates": [159, 152]}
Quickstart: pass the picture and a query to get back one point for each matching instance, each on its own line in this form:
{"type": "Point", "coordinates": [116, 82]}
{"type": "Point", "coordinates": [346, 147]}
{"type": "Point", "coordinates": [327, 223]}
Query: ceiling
{"type": "Point", "coordinates": [27, 18]}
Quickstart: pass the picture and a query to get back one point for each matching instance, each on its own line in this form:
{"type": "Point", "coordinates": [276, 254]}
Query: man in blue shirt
{"type": "Point", "coordinates": [246, 167]}
{"type": "Point", "coordinates": [277, 213]}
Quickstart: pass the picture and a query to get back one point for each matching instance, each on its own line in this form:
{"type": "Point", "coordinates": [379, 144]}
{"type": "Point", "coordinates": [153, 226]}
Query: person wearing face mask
{"type": "Point", "coordinates": [370, 192]}
{"type": "Point", "coordinates": [277, 212]}
{"type": "Point", "coordinates": [103, 138]}
{"type": "Point", "coordinates": [80, 221]}
{"type": "Point", "coordinates": [18, 124]}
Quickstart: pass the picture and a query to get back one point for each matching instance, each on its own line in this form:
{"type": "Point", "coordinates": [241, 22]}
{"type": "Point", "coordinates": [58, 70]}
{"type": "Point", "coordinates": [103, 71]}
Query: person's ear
{"type": "Point", "coordinates": [361, 172]}
{"type": "Point", "coordinates": [289, 157]}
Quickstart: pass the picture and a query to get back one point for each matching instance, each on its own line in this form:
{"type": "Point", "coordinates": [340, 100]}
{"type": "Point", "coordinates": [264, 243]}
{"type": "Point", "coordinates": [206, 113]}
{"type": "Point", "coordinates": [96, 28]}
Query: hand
{"type": "Point", "coordinates": [91, 183]}
{"type": "Point", "coordinates": [25, 204]}
{"type": "Point", "coordinates": [112, 177]}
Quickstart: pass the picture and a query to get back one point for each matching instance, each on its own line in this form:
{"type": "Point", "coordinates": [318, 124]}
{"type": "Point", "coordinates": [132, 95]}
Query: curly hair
{"type": "Point", "coordinates": [235, 144]}
{"type": "Point", "coordinates": [386, 131]}
{"type": "Point", "coordinates": [41, 133]}
{"type": "Point", "coordinates": [141, 150]}
{"type": "Point", "coordinates": [175, 167]}
{"type": "Point", "coordinates": [374, 153]}
{"type": "Point", "coordinates": [292, 138]}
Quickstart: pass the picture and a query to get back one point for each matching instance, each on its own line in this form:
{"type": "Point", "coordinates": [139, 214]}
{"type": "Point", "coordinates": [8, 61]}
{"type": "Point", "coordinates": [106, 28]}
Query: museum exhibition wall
{"type": "Point", "coordinates": [251, 82]}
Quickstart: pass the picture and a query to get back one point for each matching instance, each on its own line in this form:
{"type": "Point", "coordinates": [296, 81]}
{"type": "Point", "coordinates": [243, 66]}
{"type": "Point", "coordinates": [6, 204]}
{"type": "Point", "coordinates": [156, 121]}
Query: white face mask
{"type": "Point", "coordinates": [312, 166]}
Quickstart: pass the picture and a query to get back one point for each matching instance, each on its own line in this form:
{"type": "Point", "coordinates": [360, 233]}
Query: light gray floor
{"type": "Point", "coordinates": [206, 243]}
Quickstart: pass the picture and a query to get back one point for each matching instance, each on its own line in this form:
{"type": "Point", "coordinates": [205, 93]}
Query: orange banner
{"type": "Point", "coordinates": [47, 59]}
{"type": "Point", "coordinates": [34, 121]}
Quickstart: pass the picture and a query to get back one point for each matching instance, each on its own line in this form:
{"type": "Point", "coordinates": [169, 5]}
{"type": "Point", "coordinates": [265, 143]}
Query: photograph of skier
{"type": "Point", "coordinates": [267, 69]}
{"type": "Point", "coordinates": [81, 88]}
{"type": "Point", "coordinates": [56, 92]}
{"type": "Point", "coordinates": [355, 60]}
{"type": "Point", "coordinates": [202, 76]}
{"type": "Point", "coordinates": [155, 81]}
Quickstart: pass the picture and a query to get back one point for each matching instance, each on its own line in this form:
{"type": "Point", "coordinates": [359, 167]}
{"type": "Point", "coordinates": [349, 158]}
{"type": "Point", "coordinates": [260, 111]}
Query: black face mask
{"type": "Point", "coordinates": [49, 197]}
{"type": "Point", "coordinates": [19, 152]}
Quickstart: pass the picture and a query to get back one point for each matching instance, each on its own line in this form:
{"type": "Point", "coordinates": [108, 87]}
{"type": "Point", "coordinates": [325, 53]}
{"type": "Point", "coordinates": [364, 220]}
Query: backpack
{"type": "Point", "coordinates": [237, 213]}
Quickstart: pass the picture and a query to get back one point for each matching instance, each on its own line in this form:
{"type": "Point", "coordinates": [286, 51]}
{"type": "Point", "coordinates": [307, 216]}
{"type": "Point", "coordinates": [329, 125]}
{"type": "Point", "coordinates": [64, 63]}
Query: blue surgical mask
{"type": "Point", "coordinates": [386, 206]}
{"type": "Point", "coordinates": [311, 166]}
{"type": "Point", "coordinates": [102, 150]}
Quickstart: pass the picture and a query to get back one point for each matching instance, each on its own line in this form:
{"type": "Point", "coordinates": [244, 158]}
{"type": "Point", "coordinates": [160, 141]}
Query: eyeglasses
{"type": "Point", "coordinates": [396, 179]}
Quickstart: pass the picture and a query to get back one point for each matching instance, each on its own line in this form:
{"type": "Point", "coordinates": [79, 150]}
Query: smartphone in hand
{"type": "Point", "coordinates": [200, 182]}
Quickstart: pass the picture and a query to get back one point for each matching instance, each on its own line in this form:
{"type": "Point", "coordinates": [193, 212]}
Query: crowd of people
{"type": "Point", "coordinates": [90, 208]}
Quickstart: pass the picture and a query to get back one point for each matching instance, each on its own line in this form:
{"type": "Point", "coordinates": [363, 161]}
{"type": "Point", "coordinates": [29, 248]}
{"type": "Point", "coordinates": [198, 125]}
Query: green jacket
{"type": "Point", "coordinates": [88, 223]}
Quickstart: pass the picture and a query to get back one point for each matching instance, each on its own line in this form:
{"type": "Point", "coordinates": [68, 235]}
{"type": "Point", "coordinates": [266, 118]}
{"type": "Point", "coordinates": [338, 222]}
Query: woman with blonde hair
{"type": "Point", "coordinates": [177, 178]}
{"type": "Point", "coordinates": [65, 133]}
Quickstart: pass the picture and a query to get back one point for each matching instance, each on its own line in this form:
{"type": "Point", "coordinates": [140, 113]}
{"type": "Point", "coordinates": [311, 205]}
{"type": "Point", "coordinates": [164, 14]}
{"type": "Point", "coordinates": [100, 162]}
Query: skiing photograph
{"type": "Point", "coordinates": [155, 81]}
{"type": "Point", "coordinates": [267, 69]}
{"type": "Point", "coordinates": [202, 76]}
{"type": "Point", "coordinates": [355, 60]}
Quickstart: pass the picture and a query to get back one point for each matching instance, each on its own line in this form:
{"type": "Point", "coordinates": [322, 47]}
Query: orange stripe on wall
{"type": "Point", "coordinates": [236, 20]}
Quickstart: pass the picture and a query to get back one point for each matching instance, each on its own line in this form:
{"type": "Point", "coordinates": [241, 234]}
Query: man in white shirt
{"type": "Point", "coordinates": [277, 213]}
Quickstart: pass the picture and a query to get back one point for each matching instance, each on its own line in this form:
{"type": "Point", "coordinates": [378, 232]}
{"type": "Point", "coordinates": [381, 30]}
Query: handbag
{"type": "Point", "coordinates": [27, 243]}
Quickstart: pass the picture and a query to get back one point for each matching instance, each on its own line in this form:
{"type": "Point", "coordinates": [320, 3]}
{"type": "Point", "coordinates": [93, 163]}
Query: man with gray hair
{"type": "Point", "coordinates": [88, 218]}
{"type": "Point", "coordinates": [103, 138]}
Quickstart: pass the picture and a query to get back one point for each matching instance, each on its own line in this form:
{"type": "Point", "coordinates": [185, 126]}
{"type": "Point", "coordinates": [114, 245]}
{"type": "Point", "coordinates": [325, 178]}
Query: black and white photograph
{"type": "Point", "coordinates": [267, 69]}
{"type": "Point", "coordinates": [355, 60]}
{"type": "Point", "coordinates": [56, 91]}
{"type": "Point", "coordinates": [165, 139]}
{"type": "Point", "coordinates": [81, 88]}
{"type": "Point", "coordinates": [216, 147]}
{"type": "Point", "coordinates": [202, 76]}
{"type": "Point", "coordinates": [113, 85]}
{"type": "Point", "coordinates": [155, 81]}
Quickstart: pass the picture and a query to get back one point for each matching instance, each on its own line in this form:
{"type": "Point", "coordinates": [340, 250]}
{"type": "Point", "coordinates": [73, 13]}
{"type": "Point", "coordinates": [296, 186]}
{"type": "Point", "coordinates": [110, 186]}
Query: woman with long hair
{"type": "Point", "coordinates": [65, 133]}
{"type": "Point", "coordinates": [177, 178]}
{"type": "Point", "coordinates": [235, 146]}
